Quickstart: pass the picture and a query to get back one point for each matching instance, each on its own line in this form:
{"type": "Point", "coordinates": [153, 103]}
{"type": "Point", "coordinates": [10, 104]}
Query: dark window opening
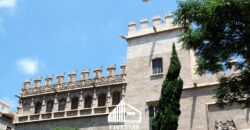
{"type": "Point", "coordinates": [116, 98]}
{"type": "Point", "coordinates": [74, 103]}
{"type": "Point", "coordinates": [101, 100]}
{"type": "Point", "coordinates": [49, 106]}
{"type": "Point", "coordinates": [88, 102]}
{"type": "Point", "coordinates": [62, 104]}
{"type": "Point", "coordinates": [26, 106]}
{"type": "Point", "coordinates": [38, 107]}
{"type": "Point", "coordinates": [157, 66]}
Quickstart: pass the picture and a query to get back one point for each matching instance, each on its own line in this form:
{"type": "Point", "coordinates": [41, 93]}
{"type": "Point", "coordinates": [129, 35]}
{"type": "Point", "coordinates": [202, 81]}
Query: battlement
{"type": "Point", "coordinates": [145, 28]}
{"type": "Point", "coordinates": [73, 83]}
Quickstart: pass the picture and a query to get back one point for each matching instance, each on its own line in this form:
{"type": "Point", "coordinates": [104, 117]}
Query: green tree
{"type": "Point", "coordinates": [169, 104]}
{"type": "Point", "coordinates": [219, 31]}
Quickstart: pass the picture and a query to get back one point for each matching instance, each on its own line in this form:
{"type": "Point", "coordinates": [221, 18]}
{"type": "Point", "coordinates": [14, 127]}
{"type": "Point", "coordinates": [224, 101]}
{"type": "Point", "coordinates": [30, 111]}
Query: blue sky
{"type": "Point", "coordinates": [40, 37]}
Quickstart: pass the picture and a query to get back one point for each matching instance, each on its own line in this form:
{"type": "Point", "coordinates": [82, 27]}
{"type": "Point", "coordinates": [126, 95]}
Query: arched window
{"type": "Point", "coordinates": [26, 105]}
{"type": "Point", "coordinates": [49, 106]}
{"type": "Point", "coordinates": [116, 98]}
{"type": "Point", "coordinates": [62, 104]}
{"type": "Point", "coordinates": [74, 103]}
{"type": "Point", "coordinates": [102, 100]}
{"type": "Point", "coordinates": [38, 107]}
{"type": "Point", "coordinates": [157, 66]}
{"type": "Point", "coordinates": [88, 102]}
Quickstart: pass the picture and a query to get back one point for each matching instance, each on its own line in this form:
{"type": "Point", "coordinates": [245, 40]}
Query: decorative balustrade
{"type": "Point", "coordinates": [86, 111]}
{"type": "Point", "coordinates": [100, 110]}
{"type": "Point", "coordinates": [59, 114]}
{"type": "Point", "coordinates": [46, 115]}
{"type": "Point", "coordinates": [34, 117]}
{"type": "Point", "coordinates": [65, 114]}
{"type": "Point", "coordinates": [72, 113]}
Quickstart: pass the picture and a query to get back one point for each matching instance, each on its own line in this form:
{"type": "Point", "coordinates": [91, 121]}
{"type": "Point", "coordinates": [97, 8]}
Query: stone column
{"type": "Point", "coordinates": [80, 104]}
{"type": "Point", "coordinates": [32, 106]}
{"type": "Point", "coordinates": [43, 109]}
{"type": "Point", "coordinates": [94, 102]}
{"type": "Point", "coordinates": [83, 99]}
{"type": "Point", "coordinates": [55, 106]}
{"type": "Point", "coordinates": [67, 103]}
{"type": "Point", "coordinates": [80, 101]}
{"type": "Point", "coordinates": [123, 91]}
{"type": "Point", "coordinates": [109, 102]}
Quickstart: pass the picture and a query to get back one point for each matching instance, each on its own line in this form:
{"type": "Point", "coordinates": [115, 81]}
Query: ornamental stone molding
{"type": "Point", "coordinates": [225, 125]}
{"type": "Point", "coordinates": [73, 83]}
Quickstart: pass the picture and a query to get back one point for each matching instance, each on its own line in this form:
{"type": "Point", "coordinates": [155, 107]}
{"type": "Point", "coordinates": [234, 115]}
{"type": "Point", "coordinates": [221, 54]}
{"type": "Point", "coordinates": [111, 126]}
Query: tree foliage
{"type": "Point", "coordinates": [218, 31]}
{"type": "Point", "coordinates": [169, 104]}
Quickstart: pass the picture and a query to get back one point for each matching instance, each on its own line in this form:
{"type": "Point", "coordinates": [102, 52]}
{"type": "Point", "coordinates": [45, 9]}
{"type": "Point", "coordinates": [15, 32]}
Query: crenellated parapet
{"type": "Point", "coordinates": [146, 27]}
{"type": "Point", "coordinates": [72, 83]}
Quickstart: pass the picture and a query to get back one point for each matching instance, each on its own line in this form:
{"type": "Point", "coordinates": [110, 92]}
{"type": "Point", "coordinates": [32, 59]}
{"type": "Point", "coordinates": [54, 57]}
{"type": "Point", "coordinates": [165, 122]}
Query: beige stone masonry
{"type": "Point", "coordinates": [159, 25]}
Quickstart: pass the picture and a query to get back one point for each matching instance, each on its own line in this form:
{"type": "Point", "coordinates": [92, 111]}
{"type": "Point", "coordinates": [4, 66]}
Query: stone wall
{"type": "Point", "coordinates": [86, 123]}
{"type": "Point", "coordinates": [4, 123]}
{"type": "Point", "coordinates": [143, 87]}
{"type": "Point", "coordinates": [197, 113]}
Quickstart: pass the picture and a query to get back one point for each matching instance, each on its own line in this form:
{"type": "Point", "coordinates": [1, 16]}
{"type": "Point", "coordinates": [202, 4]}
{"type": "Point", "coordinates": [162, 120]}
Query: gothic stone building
{"type": "Point", "coordinates": [86, 103]}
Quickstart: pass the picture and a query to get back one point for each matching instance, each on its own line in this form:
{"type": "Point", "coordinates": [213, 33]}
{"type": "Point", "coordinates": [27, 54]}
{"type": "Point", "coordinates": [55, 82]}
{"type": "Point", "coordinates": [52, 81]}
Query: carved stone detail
{"type": "Point", "coordinates": [225, 125]}
{"type": "Point", "coordinates": [77, 84]}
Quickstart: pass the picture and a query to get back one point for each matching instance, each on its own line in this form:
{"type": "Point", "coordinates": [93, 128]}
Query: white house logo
{"type": "Point", "coordinates": [124, 117]}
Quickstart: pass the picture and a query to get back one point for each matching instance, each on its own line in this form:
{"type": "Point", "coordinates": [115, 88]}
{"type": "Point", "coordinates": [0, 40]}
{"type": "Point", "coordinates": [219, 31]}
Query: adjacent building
{"type": "Point", "coordinates": [6, 117]}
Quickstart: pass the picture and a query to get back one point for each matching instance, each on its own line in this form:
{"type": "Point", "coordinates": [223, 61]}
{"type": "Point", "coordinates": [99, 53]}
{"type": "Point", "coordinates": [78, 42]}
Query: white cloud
{"type": "Point", "coordinates": [8, 4]}
{"type": "Point", "coordinates": [28, 66]}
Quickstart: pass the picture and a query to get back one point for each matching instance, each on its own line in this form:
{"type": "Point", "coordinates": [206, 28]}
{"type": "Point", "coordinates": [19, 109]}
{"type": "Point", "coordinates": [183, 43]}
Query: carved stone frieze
{"type": "Point", "coordinates": [108, 80]}
{"type": "Point", "coordinates": [225, 125]}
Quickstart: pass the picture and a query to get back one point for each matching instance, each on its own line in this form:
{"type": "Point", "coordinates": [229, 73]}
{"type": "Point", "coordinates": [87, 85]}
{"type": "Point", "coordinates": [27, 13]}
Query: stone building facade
{"type": "Point", "coordinates": [6, 117]}
{"type": "Point", "coordinates": [86, 103]}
